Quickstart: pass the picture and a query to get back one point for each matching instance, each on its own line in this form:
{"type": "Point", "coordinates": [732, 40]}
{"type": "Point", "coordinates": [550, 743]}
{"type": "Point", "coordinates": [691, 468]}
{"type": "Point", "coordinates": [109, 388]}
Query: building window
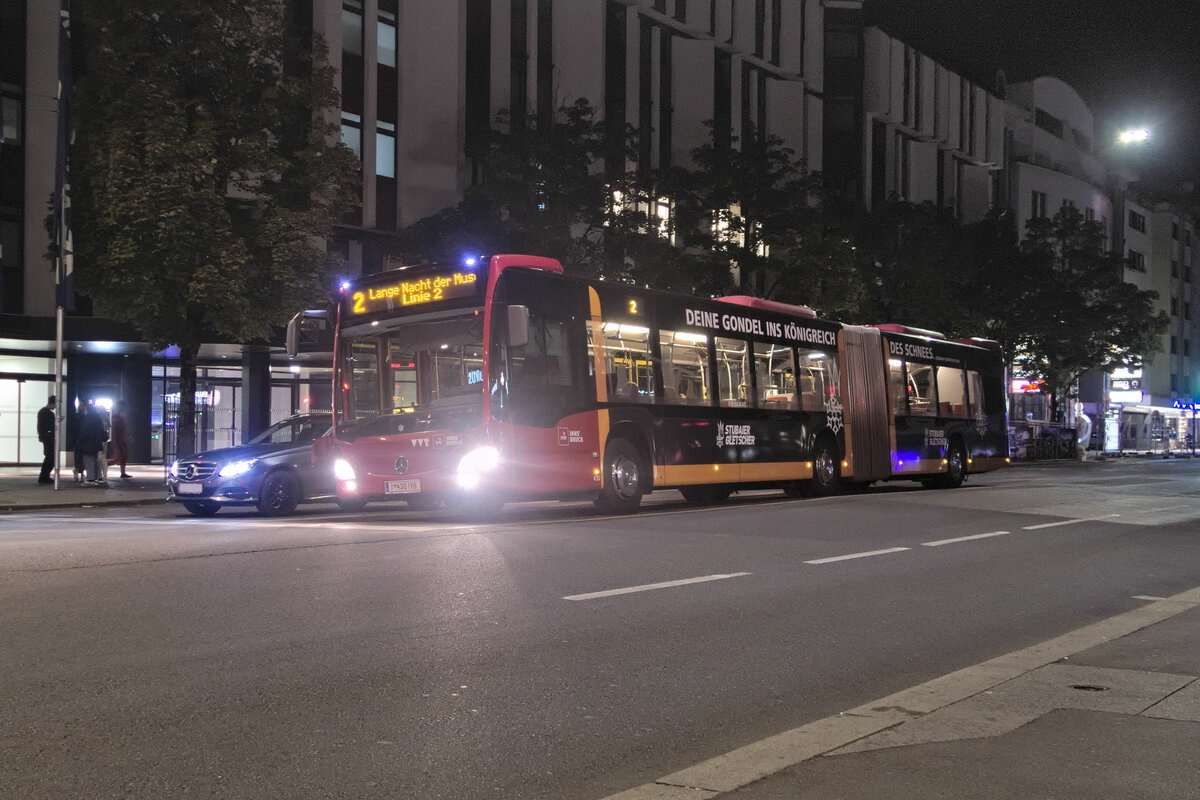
{"type": "Point", "coordinates": [1048, 122]}
{"type": "Point", "coordinates": [1039, 205]}
{"type": "Point", "coordinates": [352, 132]}
{"type": "Point", "coordinates": [1174, 346]}
{"type": "Point", "coordinates": [1089, 214]}
{"type": "Point", "coordinates": [385, 150]}
{"type": "Point", "coordinates": [1187, 274]}
{"type": "Point", "coordinates": [1136, 261]}
{"type": "Point", "coordinates": [1174, 269]}
{"type": "Point", "coordinates": [1174, 306]}
{"type": "Point", "coordinates": [1174, 383]}
{"type": "Point", "coordinates": [1187, 347]}
{"type": "Point", "coordinates": [1137, 221]}
{"type": "Point", "coordinates": [1175, 230]}
{"type": "Point", "coordinates": [1187, 310]}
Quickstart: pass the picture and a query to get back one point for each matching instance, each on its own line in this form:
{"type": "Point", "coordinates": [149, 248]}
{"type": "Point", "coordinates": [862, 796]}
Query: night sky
{"type": "Point", "coordinates": [1135, 62]}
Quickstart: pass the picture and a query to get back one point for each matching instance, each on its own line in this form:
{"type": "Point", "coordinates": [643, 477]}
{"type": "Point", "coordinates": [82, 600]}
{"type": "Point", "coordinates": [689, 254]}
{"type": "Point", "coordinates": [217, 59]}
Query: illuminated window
{"type": "Point", "coordinates": [776, 376]}
{"type": "Point", "coordinates": [686, 378]}
{"type": "Point", "coordinates": [729, 227]}
{"type": "Point", "coordinates": [733, 373]}
{"type": "Point", "coordinates": [653, 216]}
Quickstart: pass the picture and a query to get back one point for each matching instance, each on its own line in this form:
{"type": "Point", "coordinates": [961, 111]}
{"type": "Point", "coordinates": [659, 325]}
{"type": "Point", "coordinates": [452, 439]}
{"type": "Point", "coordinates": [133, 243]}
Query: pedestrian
{"type": "Point", "coordinates": [119, 443]}
{"type": "Point", "coordinates": [45, 431]}
{"type": "Point", "coordinates": [102, 456]}
{"type": "Point", "coordinates": [92, 437]}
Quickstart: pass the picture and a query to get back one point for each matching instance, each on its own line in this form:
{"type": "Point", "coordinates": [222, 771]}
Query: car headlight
{"type": "Point", "coordinates": [343, 471]}
{"type": "Point", "coordinates": [476, 463]}
{"type": "Point", "coordinates": [235, 468]}
{"type": "Point", "coordinates": [175, 468]}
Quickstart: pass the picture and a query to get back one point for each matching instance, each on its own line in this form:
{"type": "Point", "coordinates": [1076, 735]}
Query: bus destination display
{"type": "Point", "coordinates": [415, 291]}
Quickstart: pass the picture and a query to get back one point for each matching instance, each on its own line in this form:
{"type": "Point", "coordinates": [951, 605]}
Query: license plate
{"type": "Point", "coordinates": [402, 487]}
{"type": "Point", "coordinates": [189, 488]}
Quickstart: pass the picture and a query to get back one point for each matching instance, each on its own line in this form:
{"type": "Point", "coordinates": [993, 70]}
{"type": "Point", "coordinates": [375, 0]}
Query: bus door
{"type": "Point", "coordinates": [919, 441]}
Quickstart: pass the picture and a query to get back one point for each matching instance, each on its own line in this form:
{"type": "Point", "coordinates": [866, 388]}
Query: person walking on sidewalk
{"type": "Point", "coordinates": [45, 431]}
{"type": "Point", "coordinates": [119, 443]}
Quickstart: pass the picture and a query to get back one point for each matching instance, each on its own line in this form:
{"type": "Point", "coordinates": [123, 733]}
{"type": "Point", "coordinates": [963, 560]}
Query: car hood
{"type": "Point", "coordinates": [240, 453]}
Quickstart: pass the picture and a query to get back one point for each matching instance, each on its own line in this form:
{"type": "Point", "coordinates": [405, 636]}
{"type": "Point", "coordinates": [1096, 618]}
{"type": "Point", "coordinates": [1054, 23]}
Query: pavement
{"type": "Point", "coordinates": [1111, 710]}
{"type": "Point", "coordinates": [20, 491]}
{"type": "Point", "coordinates": [1108, 711]}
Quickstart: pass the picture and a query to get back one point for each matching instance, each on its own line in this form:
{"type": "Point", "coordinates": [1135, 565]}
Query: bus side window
{"type": "Point", "coordinates": [776, 374]}
{"type": "Point", "coordinates": [733, 374]}
{"type": "Point", "coordinates": [628, 365]}
{"type": "Point", "coordinates": [975, 392]}
{"type": "Point", "coordinates": [686, 377]}
{"type": "Point", "coordinates": [951, 392]}
{"type": "Point", "coordinates": [922, 400]}
{"type": "Point", "coordinates": [817, 376]}
{"type": "Point", "coordinates": [897, 382]}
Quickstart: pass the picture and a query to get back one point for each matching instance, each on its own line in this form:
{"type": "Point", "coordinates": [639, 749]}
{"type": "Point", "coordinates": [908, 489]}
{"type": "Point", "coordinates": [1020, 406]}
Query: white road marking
{"type": "Point", "coordinates": [941, 542]}
{"type": "Point", "coordinates": [1066, 522]}
{"type": "Point", "coordinates": [857, 555]}
{"type": "Point", "coordinates": [647, 587]}
{"type": "Point", "coordinates": [1148, 597]}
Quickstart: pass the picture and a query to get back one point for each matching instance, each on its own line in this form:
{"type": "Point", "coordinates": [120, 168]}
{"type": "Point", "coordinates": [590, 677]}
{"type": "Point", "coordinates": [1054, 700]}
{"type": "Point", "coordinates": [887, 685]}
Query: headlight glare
{"type": "Point", "coordinates": [343, 471]}
{"type": "Point", "coordinates": [235, 468]}
{"type": "Point", "coordinates": [175, 469]}
{"type": "Point", "coordinates": [475, 463]}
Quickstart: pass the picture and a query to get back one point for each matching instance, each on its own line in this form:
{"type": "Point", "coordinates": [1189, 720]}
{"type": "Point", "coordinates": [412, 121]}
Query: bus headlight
{"type": "Point", "coordinates": [233, 469]}
{"type": "Point", "coordinates": [475, 464]}
{"type": "Point", "coordinates": [343, 471]}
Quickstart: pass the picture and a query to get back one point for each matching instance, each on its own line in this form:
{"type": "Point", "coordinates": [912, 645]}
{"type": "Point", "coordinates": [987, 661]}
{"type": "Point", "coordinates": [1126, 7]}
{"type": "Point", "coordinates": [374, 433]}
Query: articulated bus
{"type": "Point", "coordinates": [505, 379]}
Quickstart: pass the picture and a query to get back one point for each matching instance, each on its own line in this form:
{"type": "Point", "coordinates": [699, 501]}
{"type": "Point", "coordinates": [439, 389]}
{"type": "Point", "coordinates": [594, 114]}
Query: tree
{"type": "Point", "coordinates": [206, 171]}
{"type": "Point", "coordinates": [1081, 315]}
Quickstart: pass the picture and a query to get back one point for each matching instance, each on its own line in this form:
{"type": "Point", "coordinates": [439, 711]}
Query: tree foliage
{"type": "Point", "coordinates": [206, 171]}
{"type": "Point", "coordinates": [1081, 315]}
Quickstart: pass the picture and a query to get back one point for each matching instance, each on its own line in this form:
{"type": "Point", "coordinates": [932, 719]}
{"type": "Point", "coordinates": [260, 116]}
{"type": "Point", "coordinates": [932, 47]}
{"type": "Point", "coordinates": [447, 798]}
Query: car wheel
{"type": "Point", "coordinates": [280, 494]}
{"type": "Point", "coordinates": [202, 508]}
{"type": "Point", "coordinates": [624, 479]}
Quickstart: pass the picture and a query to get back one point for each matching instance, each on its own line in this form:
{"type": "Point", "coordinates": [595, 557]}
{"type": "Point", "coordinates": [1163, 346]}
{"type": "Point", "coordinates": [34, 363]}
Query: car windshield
{"type": "Point", "coordinates": [420, 374]}
{"type": "Point", "coordinates": [301, 430]}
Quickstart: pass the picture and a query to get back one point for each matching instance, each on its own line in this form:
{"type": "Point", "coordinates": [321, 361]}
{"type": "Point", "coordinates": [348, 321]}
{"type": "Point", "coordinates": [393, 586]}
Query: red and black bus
{"type": "Point", "coordinates": [504, 379]}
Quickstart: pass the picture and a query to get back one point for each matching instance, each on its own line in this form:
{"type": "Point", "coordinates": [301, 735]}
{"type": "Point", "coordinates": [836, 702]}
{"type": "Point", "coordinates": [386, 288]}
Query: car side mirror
{"type": "Point", "coordinates": [518, 326]}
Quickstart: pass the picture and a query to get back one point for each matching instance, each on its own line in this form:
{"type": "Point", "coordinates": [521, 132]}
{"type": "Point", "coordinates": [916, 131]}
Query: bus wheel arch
{"type": "Point", "coordinates": [625, 475]}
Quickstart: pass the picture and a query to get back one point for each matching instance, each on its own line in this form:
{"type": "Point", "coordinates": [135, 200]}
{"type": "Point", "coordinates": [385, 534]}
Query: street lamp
{"type": "Point", "coordinates": [1133, 136]}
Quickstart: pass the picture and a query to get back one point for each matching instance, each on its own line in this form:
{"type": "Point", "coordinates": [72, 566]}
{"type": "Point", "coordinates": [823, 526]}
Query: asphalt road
{"type": "Point", "coordinates": [553, 654]}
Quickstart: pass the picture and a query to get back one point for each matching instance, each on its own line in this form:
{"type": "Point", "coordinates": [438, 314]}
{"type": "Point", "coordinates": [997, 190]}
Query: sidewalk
{"type": "Point", "coordinates": [20, 491]}
{"type": "Point", "coordinates": [1111, 710]}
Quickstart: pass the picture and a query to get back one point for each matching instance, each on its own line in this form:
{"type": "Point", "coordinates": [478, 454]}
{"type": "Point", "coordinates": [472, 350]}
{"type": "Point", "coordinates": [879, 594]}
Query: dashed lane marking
{"type": "Point", "coordinates": [857, 555]}
{"type": "Point", "coordinates": [956, 540]}
{"type": "Point", "coordinates": [649, 587]}
{"type": "Point", "coordinates": [1067, 522]}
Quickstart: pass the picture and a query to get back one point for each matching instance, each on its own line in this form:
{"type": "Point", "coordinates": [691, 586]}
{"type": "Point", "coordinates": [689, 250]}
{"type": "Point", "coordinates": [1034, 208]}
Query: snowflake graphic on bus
{"type": "Point", "coordinates": [833, 414]}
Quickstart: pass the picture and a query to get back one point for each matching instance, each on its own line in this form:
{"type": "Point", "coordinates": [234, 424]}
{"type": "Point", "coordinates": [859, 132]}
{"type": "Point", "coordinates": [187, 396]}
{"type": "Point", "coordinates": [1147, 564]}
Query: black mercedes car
{"type": "Point", "coordinates": [273, 471]}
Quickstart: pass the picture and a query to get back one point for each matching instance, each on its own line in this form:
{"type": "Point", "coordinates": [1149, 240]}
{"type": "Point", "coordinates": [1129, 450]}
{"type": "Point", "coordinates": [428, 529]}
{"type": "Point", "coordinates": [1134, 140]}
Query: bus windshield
{"type": "Point", "coordinates": [401, 375]}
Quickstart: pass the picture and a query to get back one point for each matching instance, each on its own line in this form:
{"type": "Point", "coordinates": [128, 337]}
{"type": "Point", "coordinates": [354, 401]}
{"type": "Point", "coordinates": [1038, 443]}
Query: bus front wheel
{"type": "Point", "coordinates": [956, 468]}
{"type": "Point", "coordinates": [827, 474]}
{"type": "Point", "coordinates": [624, 479]}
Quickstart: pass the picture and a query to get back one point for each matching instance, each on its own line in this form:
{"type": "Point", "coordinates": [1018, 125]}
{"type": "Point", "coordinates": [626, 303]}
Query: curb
{"type": "Point", "coordinates": [49, 506]}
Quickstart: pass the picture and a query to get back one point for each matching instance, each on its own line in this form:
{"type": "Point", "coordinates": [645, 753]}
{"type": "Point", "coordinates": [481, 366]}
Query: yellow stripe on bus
{"type": "Point", "coordinates": [692, 474]}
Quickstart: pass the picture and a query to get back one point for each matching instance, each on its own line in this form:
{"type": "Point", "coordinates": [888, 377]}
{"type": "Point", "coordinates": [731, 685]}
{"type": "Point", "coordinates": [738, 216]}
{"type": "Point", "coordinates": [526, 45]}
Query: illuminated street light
{"type": "Point", "coordinates": [1133, 135]}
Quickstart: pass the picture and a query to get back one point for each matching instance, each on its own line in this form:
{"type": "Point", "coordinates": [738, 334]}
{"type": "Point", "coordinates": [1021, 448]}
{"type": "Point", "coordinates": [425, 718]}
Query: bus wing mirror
{"type": "Point", "coordinates": [305, 332]}
{"type": "Point", "coordinates": [518, 326]}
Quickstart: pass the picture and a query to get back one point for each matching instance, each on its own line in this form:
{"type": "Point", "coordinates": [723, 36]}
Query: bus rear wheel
{"type": "Point", "coordinates": [705, 495]}
{"type": "Point", "coordinates": [827, 474]}
{"type": "Point", "coordinates": [956, 468]}
{"type": "Point", "coordinates": [624, 478]}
